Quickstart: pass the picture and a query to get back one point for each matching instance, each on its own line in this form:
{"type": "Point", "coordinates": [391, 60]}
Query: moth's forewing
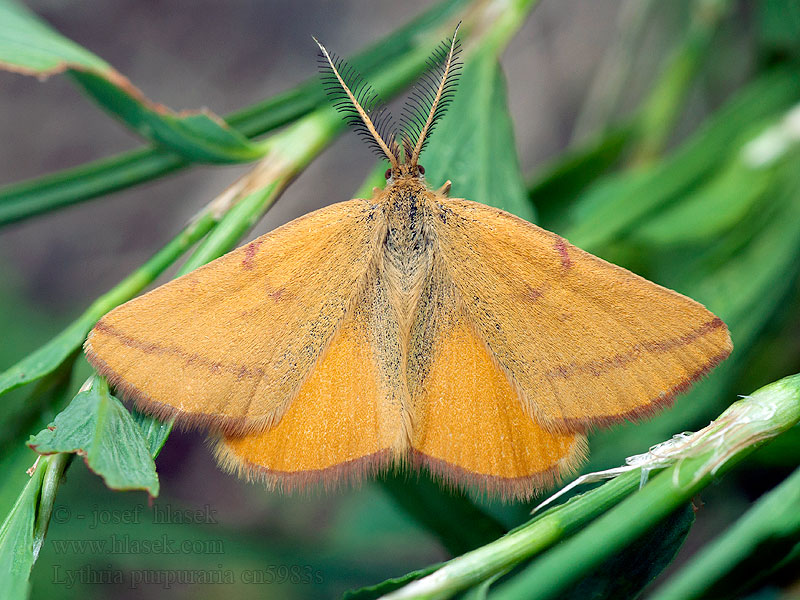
{"type": "Point", "coordinates": [585, 342]}
{"type": "Point", "coordinates": [228, 345]}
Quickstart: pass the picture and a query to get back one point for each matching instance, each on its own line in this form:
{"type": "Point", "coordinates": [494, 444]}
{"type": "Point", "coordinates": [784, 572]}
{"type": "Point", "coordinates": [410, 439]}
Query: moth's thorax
{"type": "Point", "coordinates": [407, 251]}
{"type": "Point", "coordinates": [406, 210]}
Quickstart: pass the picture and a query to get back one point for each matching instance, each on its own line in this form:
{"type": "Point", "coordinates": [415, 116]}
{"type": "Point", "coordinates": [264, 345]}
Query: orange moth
{"type": "Point", "coordinates": [409, 327]}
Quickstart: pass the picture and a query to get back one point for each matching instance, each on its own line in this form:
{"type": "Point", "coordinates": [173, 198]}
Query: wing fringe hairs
{"type": "Point", "coordinates": [355, 471]}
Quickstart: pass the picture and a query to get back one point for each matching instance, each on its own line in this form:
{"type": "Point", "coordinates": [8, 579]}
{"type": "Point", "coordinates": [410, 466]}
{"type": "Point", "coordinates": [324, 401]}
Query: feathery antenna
{"type": "Point", "coordinates": [360, 105]}
{"type": "Point", "coordinates": [431, 96]}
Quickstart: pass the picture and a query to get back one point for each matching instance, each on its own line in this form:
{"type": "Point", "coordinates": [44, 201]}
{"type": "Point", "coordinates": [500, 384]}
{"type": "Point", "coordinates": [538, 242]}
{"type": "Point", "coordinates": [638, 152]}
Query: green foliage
{"type": "Point", "coordinates": [384, 587]}
{"type": "Point", "coordinates": [625, 513]}
{"type": "Point", "coordinates": [16, 541]}
{"type": "Point", "coordinates": [28, 198]}
{"type": "Point", "coordinates": [714, 214]}
{"type": "Point", "coordinates": [618, 203]}
{"type": "Point", "coordinates": [97, 427]}
{"type": "Point", "coordinates": [625, 574]}
{"type": "Point", "coordinates": [767, 413]}
{"type": "Point", "coordinates": [62, 349]}
{"type": "Point", "coordinates": [481, 159]}
{"type": "Point", "coordinates": [769, 530]}
{"type": "Point", "coordinates": [29, 46]}
{"type": "Point", "coordinates": [443, 512]}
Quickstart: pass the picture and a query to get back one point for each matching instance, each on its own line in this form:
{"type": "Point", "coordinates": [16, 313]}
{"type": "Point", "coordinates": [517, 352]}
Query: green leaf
{"type": "Point", "coordinates": [197, 136]}
{"type": "Point", "coordinates": [754, 545]}
{"type": "Point", "coordinates": [28, 198]}
{"type": "Point", "coordinates": [556, 185]}
{"type": "Point", "coordinates": [615, 204]}
{"type": "Point", "coordinates": [99, 428]}
{"type": "Point", "coordinates": [29, 46]}
{"type": "Point", "coordinates": [55, 353]}
{"type": "Point", "coordinates": [443, 512]}
{"type": "Point", "coordinates": [155, 432]}
{"type": "Point", "coordinates": [710, 211]}
{"type": "Point", "coordinates": [33, 408]}
{"type": "Point", "coordinates": [16, 541]}
{"type": "Point", "coordinates": [748, 285]}
{"type": "Point", "coordinates": [373, 592]}
{"type": "Point", "coordinates": [473, 145]}
{"type": "Point", "coordinates": [779, 25]}
{"type": "Point", "coordinates": [625, 574]}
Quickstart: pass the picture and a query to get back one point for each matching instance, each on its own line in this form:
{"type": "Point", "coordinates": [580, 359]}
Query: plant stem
{"type": "Point", "coordinates": [53, 354]}
{"type": "Point", "coordinates": [768, 412]}
{"type": "Point", "coordinates": [773, 520]}
{"type": "Point", "coordinates": [521, 543]}
{"type": "Point", "coordinates": [53, 467]}
{"type": "Point", "coordinates": [35, 196]}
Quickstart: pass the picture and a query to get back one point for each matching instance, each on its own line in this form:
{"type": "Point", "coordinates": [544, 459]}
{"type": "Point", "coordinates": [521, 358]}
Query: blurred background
{"type": "Point", "coordinates": [560, 69]}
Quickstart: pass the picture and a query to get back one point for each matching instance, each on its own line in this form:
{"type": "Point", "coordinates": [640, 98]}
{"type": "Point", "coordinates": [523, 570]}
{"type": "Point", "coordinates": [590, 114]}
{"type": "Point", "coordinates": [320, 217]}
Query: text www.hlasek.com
{"type": "Point", "coordinates": [124, 544]}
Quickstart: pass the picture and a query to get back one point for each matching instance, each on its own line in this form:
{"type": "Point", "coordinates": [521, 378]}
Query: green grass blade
{"type": "Point", "coordinates": [626, 574]}
{"type": "Point", "coordinates": [36, 196]}
{"type": "Point", "coordinates": [29, 198]}
{"type": "Point", "coordinates": [753, 545]}
{"type": "Point", "coordinates": [617, 203]}
{"type": "Point", "coordinates": [379, 590]}
{"type": "Point", "coordinates": [16, 540]}
{"type": "Point", "coordinates": [739, 430]}
{"type": "Point", "coordinates": [766, 413]}
{"type": "Point", "coordinates": [29, 46]}
{"type": "Point", "coordinates": [63, 347]}
{"type": "Point", "coordinates": [523, 542]}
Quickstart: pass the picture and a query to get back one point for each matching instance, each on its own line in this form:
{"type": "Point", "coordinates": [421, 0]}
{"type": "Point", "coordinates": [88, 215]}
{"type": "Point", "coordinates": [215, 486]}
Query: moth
{"type": "Point", "coordinates": [406, 328]}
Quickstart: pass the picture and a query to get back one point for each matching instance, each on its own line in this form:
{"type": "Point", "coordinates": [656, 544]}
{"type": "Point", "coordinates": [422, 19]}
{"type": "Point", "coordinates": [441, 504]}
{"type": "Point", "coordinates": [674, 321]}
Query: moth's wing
{"type": "Point", "coordinates": [229, 344]}
{"type": "Point", "coordinates": [470, 427]}
{"type": "Point", "coordinates": [350, 416]}
{"type": "Point", "coordinates": [584, 341]}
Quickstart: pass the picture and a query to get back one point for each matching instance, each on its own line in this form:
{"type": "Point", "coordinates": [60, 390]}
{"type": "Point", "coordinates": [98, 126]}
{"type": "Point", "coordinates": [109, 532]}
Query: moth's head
{"type": "Point", "coordinates": [404, 171]}
{"type": "Point", "coordinates": [363, 111]}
